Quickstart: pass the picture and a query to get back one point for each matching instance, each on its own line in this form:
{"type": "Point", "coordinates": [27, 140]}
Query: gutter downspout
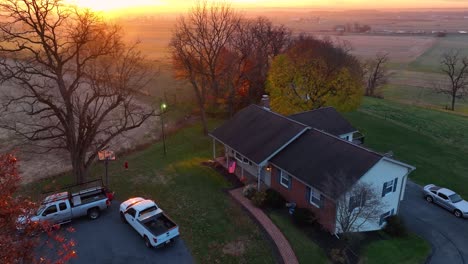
{"type": "Point", "coordinates": [403, 185]}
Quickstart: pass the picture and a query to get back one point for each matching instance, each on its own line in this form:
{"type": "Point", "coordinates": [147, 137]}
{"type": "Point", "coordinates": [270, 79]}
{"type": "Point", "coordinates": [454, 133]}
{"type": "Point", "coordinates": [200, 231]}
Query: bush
{"type": "Point", "coordinates": [274, 199]}
{"type": "Point", "coordinates": [303, 216]}
{"type": "Point", "coordinates": [249, 191]}
{"type": "Point", "coordinates": [338, 255]}
{"type": "Point", "coordinates": [395, 227]}
{"type": "Point", "coordinates": [259, 199]}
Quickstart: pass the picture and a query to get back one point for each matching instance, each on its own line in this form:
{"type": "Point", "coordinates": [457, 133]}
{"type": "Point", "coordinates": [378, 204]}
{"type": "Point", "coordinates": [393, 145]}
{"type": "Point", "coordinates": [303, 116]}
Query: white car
{"type": "Point", "coordinates": [447, 199]}
{"type": "Point", "coordinates": [149, 221]}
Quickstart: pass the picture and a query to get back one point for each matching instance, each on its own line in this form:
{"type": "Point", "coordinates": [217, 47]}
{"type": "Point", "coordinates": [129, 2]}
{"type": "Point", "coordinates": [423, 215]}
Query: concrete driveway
{"type": "Point", "coordinates": [108, 240]}
{"type": "Point", "coordinates": [447, 234]}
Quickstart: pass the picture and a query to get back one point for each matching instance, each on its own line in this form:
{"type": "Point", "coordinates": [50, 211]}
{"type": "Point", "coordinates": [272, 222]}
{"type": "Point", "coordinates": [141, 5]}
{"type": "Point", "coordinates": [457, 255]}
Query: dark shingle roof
{"type": "Point", "coordinates": [326, 119]}
{"type": "Point", "coordinates": [315, 156]}
{"type": "Point", "coordinates": [257, 133]}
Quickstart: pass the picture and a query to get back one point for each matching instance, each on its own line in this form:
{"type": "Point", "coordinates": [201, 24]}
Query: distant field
{"type": "Point", "coordinates": [154, 37]}
{"type": "Point", "coordinates": [430, 60]}
{"type": "Point", "coordinates": [400, 48]}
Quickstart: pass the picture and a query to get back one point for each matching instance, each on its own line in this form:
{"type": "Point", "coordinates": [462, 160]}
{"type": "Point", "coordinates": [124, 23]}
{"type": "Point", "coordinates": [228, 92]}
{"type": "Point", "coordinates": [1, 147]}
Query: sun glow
{"type": "Point", "coordinates": [116, 5]}
{"type": "Point", "coordinates": [124, 6]}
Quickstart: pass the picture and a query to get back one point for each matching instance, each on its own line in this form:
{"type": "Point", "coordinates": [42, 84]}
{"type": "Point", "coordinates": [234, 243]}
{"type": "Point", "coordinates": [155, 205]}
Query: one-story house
{"type": "Point", "coordinates": [295, 155]}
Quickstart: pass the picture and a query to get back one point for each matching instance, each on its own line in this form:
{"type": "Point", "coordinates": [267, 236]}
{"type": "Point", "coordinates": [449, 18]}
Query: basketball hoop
{"type": "Point", "coordinates": [106, 155]}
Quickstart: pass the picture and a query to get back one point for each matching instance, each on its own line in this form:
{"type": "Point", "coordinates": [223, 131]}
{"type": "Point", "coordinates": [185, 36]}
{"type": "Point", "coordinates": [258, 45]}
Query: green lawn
{"type": "Point", "coordinates": [433, 141]}
{"type": "Point", "coordinates": [306, 250]}
{"type": "Point", "coordinates": [215, 228]}
{"type": "Point", "coordinates": [410, 250]}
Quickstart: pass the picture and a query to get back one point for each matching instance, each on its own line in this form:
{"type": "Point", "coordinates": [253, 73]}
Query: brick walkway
{"type": "Point", "coordinates": [281, 242]}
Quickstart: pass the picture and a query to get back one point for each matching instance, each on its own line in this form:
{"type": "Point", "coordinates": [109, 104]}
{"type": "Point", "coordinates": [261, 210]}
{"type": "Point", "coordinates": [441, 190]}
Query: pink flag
{"type": "Point", "coordinates": [232, 167]}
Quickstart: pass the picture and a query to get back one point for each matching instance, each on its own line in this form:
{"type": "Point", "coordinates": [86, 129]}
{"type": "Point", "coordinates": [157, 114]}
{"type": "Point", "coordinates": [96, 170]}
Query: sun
{"type": "Point", "coordinates": [115, 5]}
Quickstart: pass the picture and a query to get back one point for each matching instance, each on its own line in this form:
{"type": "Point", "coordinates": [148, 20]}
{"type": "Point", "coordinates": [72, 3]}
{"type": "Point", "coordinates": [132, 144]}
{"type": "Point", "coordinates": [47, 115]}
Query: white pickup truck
{"type": "Point", "coordinates": [62, 207]}
{"type": "Point", "coordinates": [149, 221]}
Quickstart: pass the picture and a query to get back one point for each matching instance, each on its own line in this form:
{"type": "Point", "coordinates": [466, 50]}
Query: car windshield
{"type": "Point", "coordinates": [39, 211]}
{"type": "Point", "coordinates": [455, 198]}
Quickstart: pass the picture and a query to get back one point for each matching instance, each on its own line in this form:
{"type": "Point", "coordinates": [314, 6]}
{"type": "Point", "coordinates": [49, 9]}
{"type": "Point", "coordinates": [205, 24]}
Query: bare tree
{"type": "Point", "coordinates": [247, 60]}
{"type": "Point", "coordinates": [376, 73]}
{"type": "Point", "coordinates": [197, 42]}
{"type": "Point", "coordinates": [455, 67]}
{"type": "Point", "coordinates": [357, 204]}
{"type": "Point", "coordinates": [72, 80]}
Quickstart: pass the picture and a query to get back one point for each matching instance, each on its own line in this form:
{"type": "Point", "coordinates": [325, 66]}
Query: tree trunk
{"type": "Point", "coordinates": [80, 170]}
{"type": "Point", "coordinates": [203, 118]}
{"type": "Point", "coordinates": [453, 103]}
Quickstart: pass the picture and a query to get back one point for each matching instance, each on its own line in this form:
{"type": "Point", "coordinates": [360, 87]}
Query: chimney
{"type": "Point", "coordinates": [266, 102]}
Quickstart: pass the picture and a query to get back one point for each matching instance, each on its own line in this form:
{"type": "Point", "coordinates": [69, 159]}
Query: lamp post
{"type": "Point", "coordinates": [163, 110]}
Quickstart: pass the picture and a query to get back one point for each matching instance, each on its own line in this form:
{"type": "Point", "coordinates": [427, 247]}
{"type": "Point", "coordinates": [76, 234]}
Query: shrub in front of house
{"type": "Point", "coordinates": [303, 216]}
{"type": "Point", "coordinates": [259, 199]}
{"type": "Point", "coordinates": [395, 227]}
{"type": "Point", "coordinates": [274, 199]}
{"type": "Point", "coordinates": [249, 191]}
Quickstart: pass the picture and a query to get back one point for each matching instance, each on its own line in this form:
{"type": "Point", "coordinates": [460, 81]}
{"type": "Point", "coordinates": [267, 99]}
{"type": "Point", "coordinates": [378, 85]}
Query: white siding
{"type": "Point", "coordinates": [348, 137]}
{"type": "Point", "coordinates": [385, 171]}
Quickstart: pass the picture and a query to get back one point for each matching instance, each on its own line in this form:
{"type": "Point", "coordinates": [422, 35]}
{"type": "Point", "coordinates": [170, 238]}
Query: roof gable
{"type": "Point", "coordinates": [257, 133]}
{"type": "Point", "coordinates": [326, 119]}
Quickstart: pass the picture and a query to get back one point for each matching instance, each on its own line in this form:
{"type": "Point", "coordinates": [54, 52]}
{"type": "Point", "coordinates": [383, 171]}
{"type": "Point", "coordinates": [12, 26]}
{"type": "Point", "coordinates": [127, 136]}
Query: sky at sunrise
{"type": "Point", "coordinates": [183, 5]}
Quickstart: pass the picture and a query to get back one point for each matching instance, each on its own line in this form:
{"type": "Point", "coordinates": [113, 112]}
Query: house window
{"type": "Point", "coordinates": [384, 216]}
{"type": "Point", "coordinates": [389, 187]}
{"type": "Point", "coordinates": [243, 159]}
{"type": "Point", "coordinates": [284, 179]}
{"type": "Point", "coordinates": [357, 201]}
{"type": "Point", "coordinates": [315, 197]}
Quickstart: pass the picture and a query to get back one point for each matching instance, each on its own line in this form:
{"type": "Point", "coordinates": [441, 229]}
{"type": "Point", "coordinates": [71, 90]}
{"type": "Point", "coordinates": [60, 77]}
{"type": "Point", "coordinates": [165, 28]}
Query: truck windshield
{"type": "Point", "coordinates": [148, 210]}
{"type": "Point", "coordinates": [455, 198]}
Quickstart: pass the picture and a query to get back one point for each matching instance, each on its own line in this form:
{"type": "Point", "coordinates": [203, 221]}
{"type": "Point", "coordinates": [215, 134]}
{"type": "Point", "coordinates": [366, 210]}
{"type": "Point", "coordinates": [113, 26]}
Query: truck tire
{"type": "Point", "coordinates": [122, 218]}
{"type": "Point", "coordinates": [94, 213]}
{"type": "Point", "coordinates": [147, 242]}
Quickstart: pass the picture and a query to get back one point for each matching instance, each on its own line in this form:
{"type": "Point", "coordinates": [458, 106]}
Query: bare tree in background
{"type": "Point", "coordinates": [196, 45]}
{"type": "Point", "coordinates": [376, 73]}
{"type": "Point", "coordinates": [248, 57]}
{"type": "Point", "coordinates": [72, 79]}
{"type": "Point", "coordinates": [455, 67]}
{"type": "Point", "coordinates": [356, 203]}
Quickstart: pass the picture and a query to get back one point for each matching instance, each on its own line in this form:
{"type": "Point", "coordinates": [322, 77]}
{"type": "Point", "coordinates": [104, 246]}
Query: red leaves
{"type": "Point", "coordinates": [20, 237]}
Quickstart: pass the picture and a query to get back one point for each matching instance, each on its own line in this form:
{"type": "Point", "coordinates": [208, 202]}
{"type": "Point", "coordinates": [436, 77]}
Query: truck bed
{"type": "Point", "coordinates": [158, 224]}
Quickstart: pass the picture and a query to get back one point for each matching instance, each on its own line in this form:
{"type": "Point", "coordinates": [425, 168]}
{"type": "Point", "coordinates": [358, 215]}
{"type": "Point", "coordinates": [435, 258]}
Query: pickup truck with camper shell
{"type": "Point", "coordinates": [150, 222]}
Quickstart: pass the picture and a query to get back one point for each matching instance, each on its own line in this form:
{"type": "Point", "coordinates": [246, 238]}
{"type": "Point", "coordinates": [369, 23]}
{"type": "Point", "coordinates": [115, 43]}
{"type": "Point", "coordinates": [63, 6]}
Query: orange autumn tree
{"type": "Point", "coordinates": [22, 240]}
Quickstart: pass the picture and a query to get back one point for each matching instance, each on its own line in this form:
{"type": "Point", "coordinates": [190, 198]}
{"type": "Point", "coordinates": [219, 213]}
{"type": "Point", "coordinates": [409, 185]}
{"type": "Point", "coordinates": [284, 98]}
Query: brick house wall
{"type": "Point", "coordinates": [297, 193]}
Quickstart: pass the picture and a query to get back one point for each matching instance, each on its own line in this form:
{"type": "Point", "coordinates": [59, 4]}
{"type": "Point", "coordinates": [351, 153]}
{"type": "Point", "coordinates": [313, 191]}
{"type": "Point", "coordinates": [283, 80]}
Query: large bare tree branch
{"type": "Point", "coordinates": [71, 80]}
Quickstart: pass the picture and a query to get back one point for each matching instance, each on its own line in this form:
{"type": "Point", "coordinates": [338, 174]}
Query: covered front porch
{"type": "Point", "coordinates": [244, 169]}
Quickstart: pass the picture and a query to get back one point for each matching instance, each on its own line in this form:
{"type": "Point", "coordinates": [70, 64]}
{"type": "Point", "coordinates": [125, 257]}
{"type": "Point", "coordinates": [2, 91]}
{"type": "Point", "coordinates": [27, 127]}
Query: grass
{"type": "Point", "coordinates": [435, 142]}
{"type": "Point", "coordinates": [192, 195]}
{"type": "Point", "coordinates": [429, 61]}
{"type": "Point", "coordinates": [306, 250]}
{"type": "Point", "coordinates": [408, 250]}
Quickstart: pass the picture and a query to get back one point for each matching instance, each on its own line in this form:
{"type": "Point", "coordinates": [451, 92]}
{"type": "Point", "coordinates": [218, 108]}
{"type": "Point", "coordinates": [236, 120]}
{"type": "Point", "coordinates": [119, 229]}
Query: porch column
{"type": "Point", "coordinates": [258, 177]}
{"type": "Point", "coordinates": [214, 149]}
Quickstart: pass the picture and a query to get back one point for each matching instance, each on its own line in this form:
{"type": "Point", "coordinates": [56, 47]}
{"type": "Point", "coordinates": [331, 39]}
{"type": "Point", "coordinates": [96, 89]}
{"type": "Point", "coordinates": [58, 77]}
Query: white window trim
{"type": "Point", "coordinates": [314, 194]}
{"type": "Point", "coordinates": [284, 177]}
{"type": "Point", "coordinates": [392, 182]}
